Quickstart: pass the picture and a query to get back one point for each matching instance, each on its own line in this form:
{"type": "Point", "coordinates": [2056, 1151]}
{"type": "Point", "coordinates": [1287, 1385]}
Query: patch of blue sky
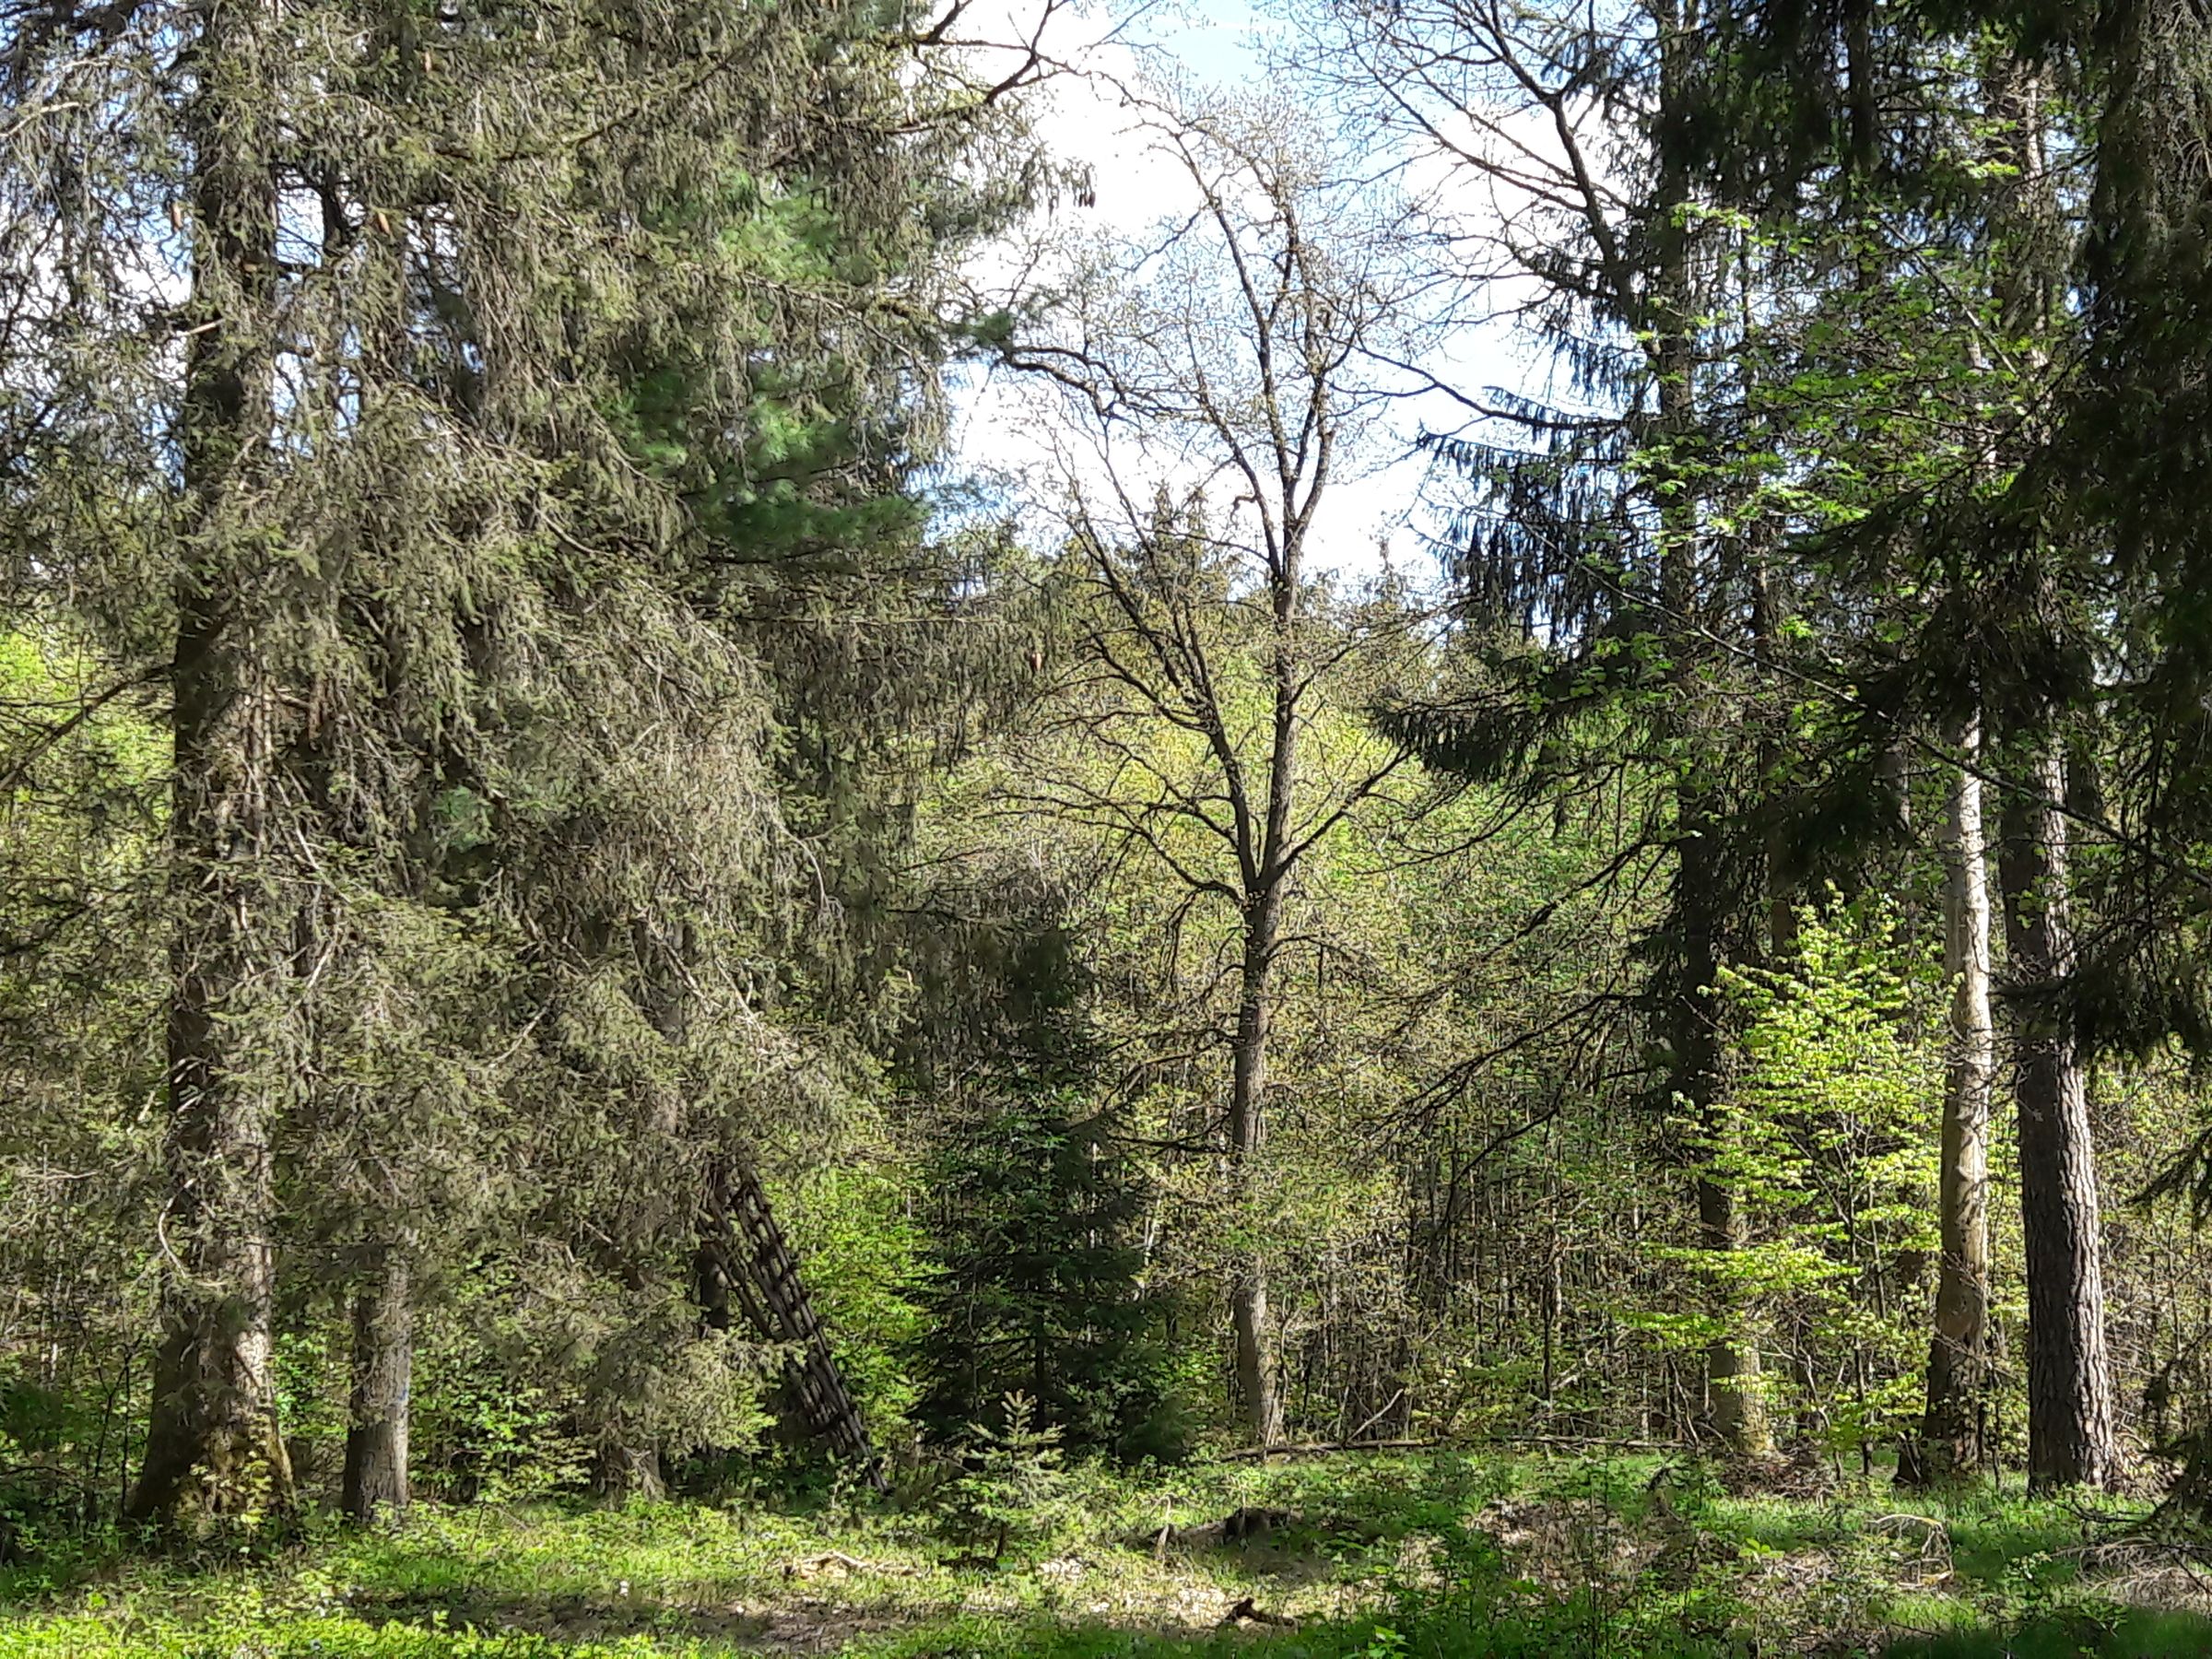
{"type": "Point", "coordinates": [1388, 507]}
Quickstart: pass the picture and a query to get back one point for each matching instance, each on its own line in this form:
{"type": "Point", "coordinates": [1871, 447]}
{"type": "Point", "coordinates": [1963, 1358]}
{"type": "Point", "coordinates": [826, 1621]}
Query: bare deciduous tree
{"type": "Point", "coordinates": [1219, 378]}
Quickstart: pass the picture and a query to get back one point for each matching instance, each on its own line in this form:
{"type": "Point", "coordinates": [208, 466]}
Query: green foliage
{"type": "Point", "coordinates": [498, 723]}
{"type": "Point", "coordinates": [1825, 1135]}
{"type": "Point", "coordinates": [486, 1439]}
{"type": "Point", "coordinates": [491, 1422]}
{"type": "Point", "coordinates": [864, 1257]}
{"type": "Point", "coordinates": [83, 775]}
{"type": "Point", "coordinates": [1011, 1488]}
{"type": "Point", "coordinates": [1434, 1558]}
{"type": "Point", "coordinates": [1038, 1285]}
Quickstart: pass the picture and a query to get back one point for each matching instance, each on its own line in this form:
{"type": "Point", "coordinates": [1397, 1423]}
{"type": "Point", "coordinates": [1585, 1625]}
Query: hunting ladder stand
{"type": "Point", "coordinates": [744, 1252]}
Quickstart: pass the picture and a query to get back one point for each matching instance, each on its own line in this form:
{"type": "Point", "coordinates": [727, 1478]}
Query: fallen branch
{"type": "Point", "coordinates": [838, 1557]}
{"type": "Point", "coordinates": [1321, 1448]}
{"type": "Point", "coordinates": [1588, 1441]}
{"type": "Point", "coordinates": [1245, 1613]}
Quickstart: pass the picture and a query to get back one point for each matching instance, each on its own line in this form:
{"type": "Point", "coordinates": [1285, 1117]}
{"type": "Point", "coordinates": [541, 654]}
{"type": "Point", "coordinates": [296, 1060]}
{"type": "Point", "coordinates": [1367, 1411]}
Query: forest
{"type": "Point", "coordinates": [928, 828]}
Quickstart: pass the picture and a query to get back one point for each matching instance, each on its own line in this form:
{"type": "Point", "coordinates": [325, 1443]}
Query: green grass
{"type": "Point", "coordinates": [1443, 1557]}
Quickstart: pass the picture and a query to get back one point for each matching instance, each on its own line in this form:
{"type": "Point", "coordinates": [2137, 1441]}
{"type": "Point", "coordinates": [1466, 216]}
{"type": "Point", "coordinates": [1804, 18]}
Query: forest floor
{"type": "Point", "coordinates": [1349, 1557]}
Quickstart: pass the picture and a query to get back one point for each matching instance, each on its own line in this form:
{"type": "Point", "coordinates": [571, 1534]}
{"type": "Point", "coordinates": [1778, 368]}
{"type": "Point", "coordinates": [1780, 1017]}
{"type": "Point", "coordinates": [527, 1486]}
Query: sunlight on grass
{"type": "Point", "coordinates": [1447, 1557]}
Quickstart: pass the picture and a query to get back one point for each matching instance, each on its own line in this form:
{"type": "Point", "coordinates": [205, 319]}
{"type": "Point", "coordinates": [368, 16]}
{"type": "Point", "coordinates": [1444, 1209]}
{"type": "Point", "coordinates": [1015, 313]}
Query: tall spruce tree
{"type": "Point", "coordinates": [1601, 554]}
{"type": "Point", "coordinates": [2109, 479]}
{"type": "Point", "coordinates": [1037, 1202]}
{"type": "Point", "coordinates": [348, 306]}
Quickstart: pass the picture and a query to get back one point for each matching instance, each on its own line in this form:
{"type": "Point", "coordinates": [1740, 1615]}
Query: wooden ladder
{"type": "Point", "coordinates": [756, 1263]}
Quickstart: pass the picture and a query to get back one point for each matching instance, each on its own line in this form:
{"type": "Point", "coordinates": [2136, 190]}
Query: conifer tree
{"type": "Point", "coordinates": [1993, 594]}
{"type": "Point", "coordinates": [1591, 555]}
{"type": "Point", "coordinates": [443, 671]}
{"type": "Point", "coordinates": [1037, 1285]}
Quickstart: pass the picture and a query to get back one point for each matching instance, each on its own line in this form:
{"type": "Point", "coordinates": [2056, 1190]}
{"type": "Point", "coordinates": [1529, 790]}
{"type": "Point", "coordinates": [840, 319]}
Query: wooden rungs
{"type": "Point", "coordinates": [765, 1283]}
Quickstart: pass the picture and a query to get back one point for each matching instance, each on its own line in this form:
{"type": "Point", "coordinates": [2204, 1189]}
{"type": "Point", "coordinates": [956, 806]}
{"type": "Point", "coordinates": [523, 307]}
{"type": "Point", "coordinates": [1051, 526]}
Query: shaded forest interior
{"type": "Point", "coordinates": [1460, 822]}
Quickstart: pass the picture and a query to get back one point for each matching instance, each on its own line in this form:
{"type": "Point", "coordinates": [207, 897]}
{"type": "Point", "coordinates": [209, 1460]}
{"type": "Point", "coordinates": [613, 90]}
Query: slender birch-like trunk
{"type": "Point", "coordinates": [1952, 1443]}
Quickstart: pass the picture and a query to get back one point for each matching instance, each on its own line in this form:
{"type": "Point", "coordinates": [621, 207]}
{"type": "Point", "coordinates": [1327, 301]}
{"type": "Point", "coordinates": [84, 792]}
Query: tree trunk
{"type": "Point", "coordinates": [1736, 1397]}
{"type": "Point", "coordinates": [1951, 1444]}
{"type": "Point", "coordinates": [383, 1363]}
{"type": "Point", "coordinates": [1735, 1401]}
{"type": "Point", "coordinates": [622, 1472]}
{"type": "Point", "coordinates": [213, 1414]}
{"type": "Point", "coordinates": [1781, 881]}
{"type": "Point", "coordinates": [1733, 1370]}
{"type": "Point", "coordinates": [2071, 1438]}
{"type": "Point", "coordinates": [1266, 875]}
{"type": "Point", "coordinates": [1247, 1137]}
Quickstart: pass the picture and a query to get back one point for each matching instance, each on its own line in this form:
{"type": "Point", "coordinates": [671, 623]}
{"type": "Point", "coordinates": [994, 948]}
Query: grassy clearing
{"type": "Point", "coordinates": [1374, 1559]}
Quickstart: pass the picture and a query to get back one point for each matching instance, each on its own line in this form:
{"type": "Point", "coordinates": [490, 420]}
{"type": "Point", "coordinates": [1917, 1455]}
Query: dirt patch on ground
{"type": "Point", "coordinates": [799, 1625]}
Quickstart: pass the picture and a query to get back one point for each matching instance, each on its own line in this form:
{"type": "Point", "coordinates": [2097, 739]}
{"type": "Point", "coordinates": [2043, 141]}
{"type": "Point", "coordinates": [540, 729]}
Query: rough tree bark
{"type": "Point", "coordinates": [375, 1481]}
{"type": "Point", "coordinates": [2071, 1435]}
{"type": "Point", "coordinates": [1781, 882]}
{"type": "Point", "coordinates": [383, 1363]}
{"type": "Point", "coordinates": [1736, 1401]}
{"type": "Point", "coordinates": [213, 1444]}
{"type": "Point", "coordinates": [1951, 1444]}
